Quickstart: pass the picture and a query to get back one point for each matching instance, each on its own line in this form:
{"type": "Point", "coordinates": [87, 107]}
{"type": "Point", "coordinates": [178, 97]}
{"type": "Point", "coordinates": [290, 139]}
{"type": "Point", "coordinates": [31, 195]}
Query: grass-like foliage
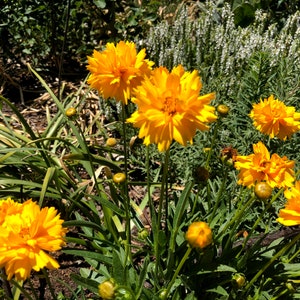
{"type": "Point", "coordinates": [129, 208]}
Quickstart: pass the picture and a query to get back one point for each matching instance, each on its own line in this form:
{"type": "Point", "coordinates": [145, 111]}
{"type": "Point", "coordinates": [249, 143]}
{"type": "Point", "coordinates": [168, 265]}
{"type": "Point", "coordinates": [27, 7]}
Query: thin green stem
{"type": "Point", "coordinates": [184, 258]}
{"type": "Point", "coordinates": [212, 143]}
{"type": "Point", "coordinates": [238, 214]}
{"type": "Point", "coordinates": [126, 195]}
{"type": "Point", "coordinates": [270, 262]}
{"type": "Point", "coordinates": [262, 215]}
{"type": "Point", "coordinates": [163, 190]}
{"type": "Point", "coordinates": [106, 211]}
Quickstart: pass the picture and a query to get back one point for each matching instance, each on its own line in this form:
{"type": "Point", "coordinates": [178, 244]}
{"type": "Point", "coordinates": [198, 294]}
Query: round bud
{"type": "Point", "coordinates": [119, 178]}
{"type": "Point", "coordinates": [199, 235]}
{"type": "Point", "coordinates": [107, 289]}
{"type": "Point", "coordinates": [263, 190]}
{"type": "Point", "coordinates": [223, 110]}
{"type": "Point", "coordinates": [238, 280]}
{"type": "Point", "coordinates": [71, 112]}
{"type": "Point", "coordinates": [111, 142]}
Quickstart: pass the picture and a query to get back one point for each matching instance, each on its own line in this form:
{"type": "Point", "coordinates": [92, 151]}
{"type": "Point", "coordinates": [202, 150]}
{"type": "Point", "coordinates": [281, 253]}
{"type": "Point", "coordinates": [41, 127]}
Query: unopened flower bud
{"type": "Point", "coordinates": [263, 190]}
{"type": "Point", "coordinates": [199, 235]}
{"type": "Point", "coordinates": [223, 110]}
{"type": "Point", "coordinates": [71, 112]}
{"type": "Point", "coordinates": [163, 294]}
{"type": "Point", "coordinates": [119, 178]}
{"type": "Point", "coordinates": [111, 142]}
{"type": "Point", "coordinates": [238, 280]}
{"type": "Point", "coordinates": [107, 289]}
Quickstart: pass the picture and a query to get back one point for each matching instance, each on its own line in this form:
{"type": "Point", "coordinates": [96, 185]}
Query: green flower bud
{"type": "Point", "coordinates": [238, 280]}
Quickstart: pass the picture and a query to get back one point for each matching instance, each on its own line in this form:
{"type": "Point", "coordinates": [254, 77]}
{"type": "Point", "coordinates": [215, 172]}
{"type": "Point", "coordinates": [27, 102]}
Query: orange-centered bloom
{"type": "Point", "coordinates": [199, 235]}
{"type": "Point", "coordinates": [290, 214]}
{"type": "Point", "coordinates": [261, 166]}
{"type": "Point", "coordinates": [25, 235]}
{"type": "Point", "coordinates": [117, 70]}
{"type": "Point", "coordinates": [169, 107]}
{"type": "Point", "coordinates": [274, 118]}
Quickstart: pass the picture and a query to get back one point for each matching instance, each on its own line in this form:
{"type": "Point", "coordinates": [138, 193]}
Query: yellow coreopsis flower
{"type": "Point", "coordinates": [9, 207]}
{"type": "Point", "coordinates": [261, 166]}
{"type": "Point", "coordinates": [25, 236]}
{"type": "Point", "coordinates": [170, 108]}
{"type": "Point", "coordinates": [117, 70]}
{"type": "Point", "coordinates": [272, 117]}
{"type": "Point", "coordinates": [290, 214]}
{"type": "Point", "coordinates": [199, 235]}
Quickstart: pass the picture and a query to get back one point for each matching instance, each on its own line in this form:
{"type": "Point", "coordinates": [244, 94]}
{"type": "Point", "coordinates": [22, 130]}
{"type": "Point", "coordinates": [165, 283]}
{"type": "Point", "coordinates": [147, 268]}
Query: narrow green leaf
{"type": "Point", "coordinates": [89, 254]}
{"type": "Point", "coordinates": [46, 182]}
{"type": "Point", "coordinates": [90, 284]}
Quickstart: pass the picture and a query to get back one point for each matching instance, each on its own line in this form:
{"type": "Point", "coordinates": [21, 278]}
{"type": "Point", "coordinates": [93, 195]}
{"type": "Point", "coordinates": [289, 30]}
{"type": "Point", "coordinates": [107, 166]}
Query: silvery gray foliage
{"type": "Point", "coordinates": [214, 45]}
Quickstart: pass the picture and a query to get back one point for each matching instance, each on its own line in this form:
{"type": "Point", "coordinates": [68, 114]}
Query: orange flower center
{"type": "Point", "coordinates": [170, 106]}
{"type": "Point", "coordinates": [24, 233]}
{"type": "Point", "coordinates": [265, 164]}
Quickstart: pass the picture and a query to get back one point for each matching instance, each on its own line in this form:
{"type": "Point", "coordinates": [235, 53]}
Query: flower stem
{"type": "Point", "coordinates": [212, 143]}
{"type": "Point", "coordinates": [163, 190]}
{"type": "Point", "coordinates": [126, 195]}
{"type": "Point", "coordinates": [184, 258]}
{"type": "Point", "coordinates": [271, 261]}
{"type": "Point", "coordinates": [238, 214]}
{"type": "Point", "coordinates": [259, 219]}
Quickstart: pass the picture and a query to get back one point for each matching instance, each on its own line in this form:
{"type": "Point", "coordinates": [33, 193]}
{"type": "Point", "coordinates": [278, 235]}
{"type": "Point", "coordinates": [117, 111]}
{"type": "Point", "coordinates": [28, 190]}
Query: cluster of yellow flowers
{"type": "Point", "coordinates": [169, 108]}
{"type": "Point", "coordinates": [169, 105]}
{"type": "Point", "coordinates": [27, 231]}
{"type": "Point", "coordinates": [272, 117]}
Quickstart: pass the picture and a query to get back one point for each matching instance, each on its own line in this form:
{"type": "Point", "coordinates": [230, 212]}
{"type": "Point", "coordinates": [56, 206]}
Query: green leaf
{"type": "Point", "coordinates": [46, 183]}
{"type": "Point", "coordinates": [90, 284]}
{"type": "Point", "coordinates": [94, 158]}
{"type": "Point", "coordinates": [218, 290]}
{"type": "Point", "coordinates": [89, 254]}
{"type": "Point", "coordinates": [119, 270]}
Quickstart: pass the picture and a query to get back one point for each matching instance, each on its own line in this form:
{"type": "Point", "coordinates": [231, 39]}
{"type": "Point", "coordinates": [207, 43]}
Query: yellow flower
{"type": "Point", "coordinates": [9, 207]}
{"type": "Point", "coordinates": [25, 236]}
{"type": "Point", "coordinates": [260, 166]}
{"type": "Point", "coordinates": [274, 118]}
{"type": "Point", "coordinates": [169, 107]}
{"type": "Point", "coordinates": [117, 70]}
{"type": "Point", "coordinates": [107, 289]}
{"type": "Point", "coordinates": [290, 214]}
{"type": "Point", "coordinates": [199, 235]}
